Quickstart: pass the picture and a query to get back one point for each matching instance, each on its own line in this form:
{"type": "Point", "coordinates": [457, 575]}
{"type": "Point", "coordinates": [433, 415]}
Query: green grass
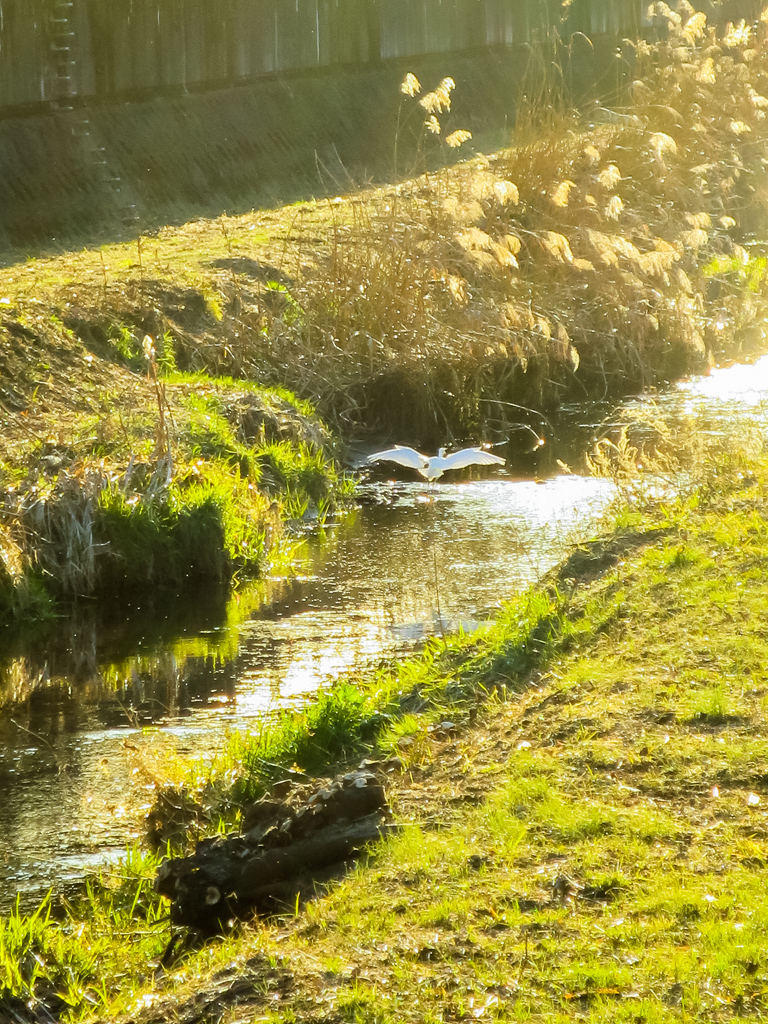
{"type": "Point", "coordinates": [587, 842]}
{"type": "Point", "coordinates": [162, 543]}
{"type": "Point", "coordinates": [80, 956]}
{"type": "Point", "coordinates": [612, 737]}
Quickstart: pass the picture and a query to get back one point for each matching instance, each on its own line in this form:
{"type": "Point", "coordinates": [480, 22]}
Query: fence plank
{"type": "Point", "coordinates": [82, 51]}
{"type": "Point", "coordinates": [25, 66]}
{"type": "Point", "coordinates": [172, 43]}
{"type": "Point", "coordinates": [127, 45]}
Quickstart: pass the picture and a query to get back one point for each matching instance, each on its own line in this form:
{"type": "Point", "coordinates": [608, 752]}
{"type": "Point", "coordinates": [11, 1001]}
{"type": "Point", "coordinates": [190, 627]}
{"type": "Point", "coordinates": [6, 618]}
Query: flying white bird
{"type": "Point", "coordinates": [433, 467]}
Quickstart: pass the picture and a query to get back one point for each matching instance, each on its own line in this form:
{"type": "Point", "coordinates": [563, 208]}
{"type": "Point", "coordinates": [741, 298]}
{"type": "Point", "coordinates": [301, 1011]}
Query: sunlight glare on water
{"type": "Point", "coordinates": [746, 385]}
{"type": "Point", "coordinates": [465, 549]}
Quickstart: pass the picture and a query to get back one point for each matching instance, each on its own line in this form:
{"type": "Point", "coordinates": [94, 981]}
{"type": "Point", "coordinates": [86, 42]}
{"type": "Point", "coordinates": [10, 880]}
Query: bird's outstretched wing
{"type": "Point", "coordinates": [402, 456]}
{"type": "Point", "coordinates": [471, 457]}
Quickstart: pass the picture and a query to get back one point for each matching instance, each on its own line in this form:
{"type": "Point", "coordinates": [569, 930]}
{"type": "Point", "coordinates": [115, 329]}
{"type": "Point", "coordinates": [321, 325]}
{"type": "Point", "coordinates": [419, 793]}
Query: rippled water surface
{"type": "Point", "coordinates": [82, 714]}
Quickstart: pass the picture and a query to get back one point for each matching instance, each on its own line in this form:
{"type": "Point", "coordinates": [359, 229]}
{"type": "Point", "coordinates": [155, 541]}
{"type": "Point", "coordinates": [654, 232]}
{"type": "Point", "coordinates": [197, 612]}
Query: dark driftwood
{"type": "Point", "coordinates": [288, 845]}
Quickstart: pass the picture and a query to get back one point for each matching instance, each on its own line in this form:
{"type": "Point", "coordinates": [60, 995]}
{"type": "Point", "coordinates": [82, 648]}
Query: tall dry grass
{"type": "Point", "coordinates": [598, 254]}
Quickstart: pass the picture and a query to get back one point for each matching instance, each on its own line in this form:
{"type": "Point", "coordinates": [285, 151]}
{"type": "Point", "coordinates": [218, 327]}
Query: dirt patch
{"type": "Point", "coordinates": [592, 559]}
{"type": "Point", "coordinates": [257, 418]}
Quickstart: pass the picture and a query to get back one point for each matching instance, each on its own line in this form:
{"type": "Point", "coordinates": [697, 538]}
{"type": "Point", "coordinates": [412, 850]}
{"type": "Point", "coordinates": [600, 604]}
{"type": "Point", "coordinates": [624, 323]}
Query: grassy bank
{"type": "Point", "coordinates": [585, 838]}
{"type": "Point", "coordinates": [601, 253]}
{"type": "Point", "coordinates": [118, 472]}
{"type": "Point", "coordinates": [605, 250]}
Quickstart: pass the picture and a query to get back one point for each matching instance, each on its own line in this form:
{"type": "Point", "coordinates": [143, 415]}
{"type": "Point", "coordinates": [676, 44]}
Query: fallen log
{"type": "Point", "coordinates": [291, 840]}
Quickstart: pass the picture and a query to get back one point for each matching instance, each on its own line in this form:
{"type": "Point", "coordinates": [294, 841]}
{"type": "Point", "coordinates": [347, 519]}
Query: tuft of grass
{"type": "Point", "coordinates": [75, 961]}
{"type": "Point", "coordinates": [331, 729]}
{"type": "Point", "coordinates": [712, 704]}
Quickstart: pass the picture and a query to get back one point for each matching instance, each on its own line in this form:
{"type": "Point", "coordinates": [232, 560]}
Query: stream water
{"type": "Point", "coordinates": [85, 714]}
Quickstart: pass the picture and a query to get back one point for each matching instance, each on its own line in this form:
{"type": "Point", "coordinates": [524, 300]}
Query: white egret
{"type": "Point", "coordinates": [433, 467]}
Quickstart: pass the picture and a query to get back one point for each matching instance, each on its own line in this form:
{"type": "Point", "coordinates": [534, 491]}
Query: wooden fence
{"type": "Point", "coordinates": [122, 114]}
{"type": "Point", "coordinates": [80, 49]}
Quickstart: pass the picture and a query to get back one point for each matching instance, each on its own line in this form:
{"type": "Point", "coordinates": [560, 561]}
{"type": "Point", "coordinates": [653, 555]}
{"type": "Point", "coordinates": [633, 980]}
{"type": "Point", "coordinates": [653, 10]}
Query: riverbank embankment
{"type": "Point", "coordinates": [600, 254]}
{"type": "Point", "coordinates": [580, 792]}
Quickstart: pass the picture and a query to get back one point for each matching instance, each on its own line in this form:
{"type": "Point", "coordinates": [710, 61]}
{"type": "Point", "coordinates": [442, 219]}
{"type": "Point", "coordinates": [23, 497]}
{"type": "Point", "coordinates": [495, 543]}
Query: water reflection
{"type": "Point", "coordinates": [76, 709]}
{"type": "Point", "coordinates": [742, 385]}
{"type": "Point", "coordinates": [408, 562]}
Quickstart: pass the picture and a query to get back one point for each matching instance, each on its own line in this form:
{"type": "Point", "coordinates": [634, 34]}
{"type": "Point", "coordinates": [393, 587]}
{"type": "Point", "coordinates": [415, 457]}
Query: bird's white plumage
{"type": "Point", "coordinates": [403, 456]}
{"type": "Point", "coordinates": [433, 467]}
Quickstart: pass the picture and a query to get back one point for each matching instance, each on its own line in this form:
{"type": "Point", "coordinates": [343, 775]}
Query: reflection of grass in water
{"type": "Point", "coordinates": [166, 650]}
{"type": "Point", "coordinates": [290, 557]}
{"type": "Point", "coordinates": [245, 600]}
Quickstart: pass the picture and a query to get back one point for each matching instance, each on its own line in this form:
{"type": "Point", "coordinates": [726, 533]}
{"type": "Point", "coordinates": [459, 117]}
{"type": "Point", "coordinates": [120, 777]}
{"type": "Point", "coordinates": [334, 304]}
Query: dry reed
{"type": "Point", "coordinates": [591, 257]}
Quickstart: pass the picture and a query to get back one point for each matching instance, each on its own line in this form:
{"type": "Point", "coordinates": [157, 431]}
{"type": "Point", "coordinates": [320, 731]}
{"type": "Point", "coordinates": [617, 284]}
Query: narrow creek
{"type": "Point", "coordinates": [83, 714]}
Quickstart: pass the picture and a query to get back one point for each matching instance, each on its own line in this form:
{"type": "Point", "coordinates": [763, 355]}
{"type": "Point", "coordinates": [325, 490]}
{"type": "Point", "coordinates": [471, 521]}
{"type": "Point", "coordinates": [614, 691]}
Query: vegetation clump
{"type": "Point", "coordinates": [126, 481]}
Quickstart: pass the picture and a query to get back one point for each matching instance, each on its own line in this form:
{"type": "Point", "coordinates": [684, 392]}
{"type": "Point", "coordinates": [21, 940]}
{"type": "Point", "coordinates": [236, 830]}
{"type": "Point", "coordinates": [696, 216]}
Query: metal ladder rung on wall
{"type": "Point", "coordinates": [65, 92]}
